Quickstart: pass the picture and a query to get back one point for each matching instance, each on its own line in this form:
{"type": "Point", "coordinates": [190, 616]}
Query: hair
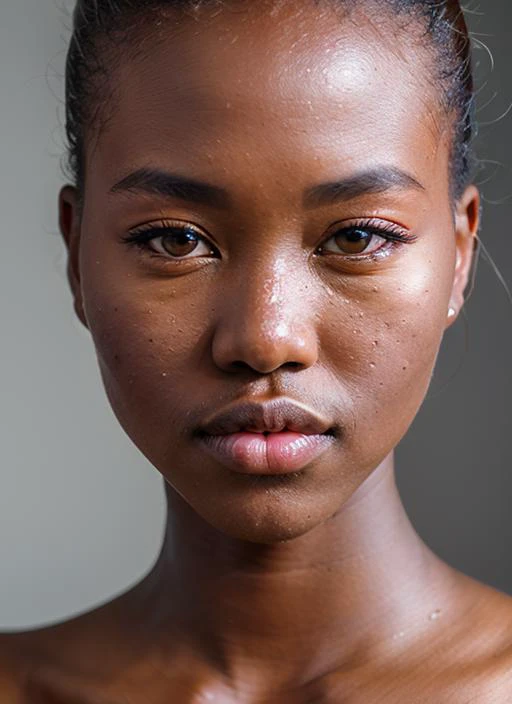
{"type": "Point", "coordinates": [98, 25]}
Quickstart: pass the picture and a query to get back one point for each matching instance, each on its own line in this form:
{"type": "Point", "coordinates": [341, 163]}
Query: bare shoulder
{"type": "Point", "coordinates": [497, 608]}
{"type": "Point", "coordinates": [14, 664]}
{"type": "Point", "coordinates": [482, 645]}
{"type": "Point", "coordinates": [80, 649]}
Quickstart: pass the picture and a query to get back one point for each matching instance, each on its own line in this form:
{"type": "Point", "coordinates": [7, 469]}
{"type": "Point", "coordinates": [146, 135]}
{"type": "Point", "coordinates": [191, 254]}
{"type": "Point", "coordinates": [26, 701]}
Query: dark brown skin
{"type": "Point", "coordinates": [316, 590]}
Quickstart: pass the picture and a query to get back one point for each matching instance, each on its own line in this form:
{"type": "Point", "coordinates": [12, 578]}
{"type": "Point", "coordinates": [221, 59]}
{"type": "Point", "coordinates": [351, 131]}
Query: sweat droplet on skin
{"type": "Point", "coordinates": [434, 616]}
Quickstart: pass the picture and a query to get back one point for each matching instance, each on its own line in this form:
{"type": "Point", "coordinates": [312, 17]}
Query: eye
{"type": "Point", "coordinates": [365, 238]}
{"type": "Point", "coordinates": [171, 240]}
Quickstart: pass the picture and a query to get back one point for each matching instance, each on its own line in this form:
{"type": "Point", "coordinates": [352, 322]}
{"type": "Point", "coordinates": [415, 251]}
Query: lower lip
{"type": "Point", "coordinates": [276, 453]}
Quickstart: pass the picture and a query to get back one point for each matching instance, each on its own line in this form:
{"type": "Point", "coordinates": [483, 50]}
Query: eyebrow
{"type": "Point", "coordinates": [377, 180]}
{"type": "Point", "coordinates": [171, 185]}
{"type": "Point", "coordinates": [167, 185]}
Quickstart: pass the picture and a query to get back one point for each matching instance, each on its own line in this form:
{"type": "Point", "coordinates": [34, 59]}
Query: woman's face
{"type": "Point", "coordinates": [278, 288]}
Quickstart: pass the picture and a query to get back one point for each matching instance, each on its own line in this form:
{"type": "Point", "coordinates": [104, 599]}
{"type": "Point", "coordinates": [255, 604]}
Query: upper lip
{"type": "Point", "coordinates": [266, 417]}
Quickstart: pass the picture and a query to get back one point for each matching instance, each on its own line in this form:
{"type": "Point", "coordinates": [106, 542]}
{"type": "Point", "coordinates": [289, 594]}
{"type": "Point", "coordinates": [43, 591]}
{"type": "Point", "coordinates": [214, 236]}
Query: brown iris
{"type": "Point", "coordinates": [353, 240]}
{"type": "Point", "coordinates": [179, 241]}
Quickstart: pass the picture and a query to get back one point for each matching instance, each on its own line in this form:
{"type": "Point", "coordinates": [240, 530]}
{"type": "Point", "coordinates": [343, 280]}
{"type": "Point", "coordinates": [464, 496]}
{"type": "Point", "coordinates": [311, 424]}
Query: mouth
{"type": "Point", "coordinates": [274, 438]}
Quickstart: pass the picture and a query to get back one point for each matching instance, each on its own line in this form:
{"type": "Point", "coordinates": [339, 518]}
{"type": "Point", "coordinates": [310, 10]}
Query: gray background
{"type": "Point", "coordinates": [81, 511]}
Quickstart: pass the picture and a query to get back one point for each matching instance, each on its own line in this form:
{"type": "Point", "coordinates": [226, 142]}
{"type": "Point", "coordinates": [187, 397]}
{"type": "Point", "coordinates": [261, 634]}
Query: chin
{"type": "Point", "coordinates": [273, 511]}
{"type": "Point", "coordinates": [265, 532]}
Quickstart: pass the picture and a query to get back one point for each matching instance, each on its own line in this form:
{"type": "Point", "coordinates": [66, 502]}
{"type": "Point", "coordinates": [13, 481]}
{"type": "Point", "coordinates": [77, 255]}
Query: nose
{"type": "Point", "coordinates": [266, 319]}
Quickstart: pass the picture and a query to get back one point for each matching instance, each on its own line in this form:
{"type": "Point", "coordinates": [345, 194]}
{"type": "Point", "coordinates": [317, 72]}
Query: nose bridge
{"type": "Point", "coordinates": [266, 319]}
{"type": "Point", "coordinates": [274, 309]}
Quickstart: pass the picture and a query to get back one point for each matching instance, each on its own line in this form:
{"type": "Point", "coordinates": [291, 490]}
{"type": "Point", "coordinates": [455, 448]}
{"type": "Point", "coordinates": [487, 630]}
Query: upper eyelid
{"type": "Point", "coordinates": [375, 223]}
{"type": "Point", "coordinates": [158, 230]}
{"type": "Point", "coordinates": [163, 226]}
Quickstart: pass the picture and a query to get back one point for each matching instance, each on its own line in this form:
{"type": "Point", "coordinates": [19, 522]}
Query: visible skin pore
{"type": "Point", "coordinates": [315, 589]}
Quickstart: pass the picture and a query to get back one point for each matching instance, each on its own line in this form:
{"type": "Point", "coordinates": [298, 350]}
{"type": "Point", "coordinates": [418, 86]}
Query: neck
{"type": "Point", "coordinates": [361, 584]}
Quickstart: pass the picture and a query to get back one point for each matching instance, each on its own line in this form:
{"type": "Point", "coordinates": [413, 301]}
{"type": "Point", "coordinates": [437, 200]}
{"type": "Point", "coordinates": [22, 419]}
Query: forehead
{"type": "Point", "coordinates": [276, 83]}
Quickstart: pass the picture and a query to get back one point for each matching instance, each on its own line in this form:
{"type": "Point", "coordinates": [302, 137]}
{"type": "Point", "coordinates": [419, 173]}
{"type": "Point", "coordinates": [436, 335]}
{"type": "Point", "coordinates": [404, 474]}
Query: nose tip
{"type": "Point", "coordinates": [264, 338]}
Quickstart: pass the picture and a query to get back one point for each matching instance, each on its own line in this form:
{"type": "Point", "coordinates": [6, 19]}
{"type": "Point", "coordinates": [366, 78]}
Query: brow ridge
{"type": "Point", "coordinates": [373, 181]}
{"type": "Point", "coordinates": [170, 185]}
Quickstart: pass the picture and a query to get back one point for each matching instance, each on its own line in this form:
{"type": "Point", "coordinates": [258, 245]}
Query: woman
{"type": "Point", "coordinates": [271, 226]}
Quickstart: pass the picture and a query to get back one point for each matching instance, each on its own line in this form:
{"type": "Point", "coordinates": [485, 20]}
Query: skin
{"type": "Point", "coordinates": [315, 589]}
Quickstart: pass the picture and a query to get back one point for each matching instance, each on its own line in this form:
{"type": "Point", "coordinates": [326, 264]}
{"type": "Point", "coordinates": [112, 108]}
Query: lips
{"type": "Point", "coordinates": [276, 437]}
{"type": "Point", "coordinates": [269, 417]}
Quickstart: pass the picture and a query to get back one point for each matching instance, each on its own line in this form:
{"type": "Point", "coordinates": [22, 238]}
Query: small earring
{"type": "Point", "coordinates": [451, 312]}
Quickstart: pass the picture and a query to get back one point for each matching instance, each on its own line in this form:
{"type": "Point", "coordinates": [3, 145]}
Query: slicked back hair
{"type": "Point", "coordinates": [100, 23]}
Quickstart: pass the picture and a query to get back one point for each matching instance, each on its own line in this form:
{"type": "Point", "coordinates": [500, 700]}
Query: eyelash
{"type": "Point", "coordinates": [392, 233]}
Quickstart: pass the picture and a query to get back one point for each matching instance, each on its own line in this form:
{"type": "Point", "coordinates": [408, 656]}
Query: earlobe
{"type": "Point", "coordinates": [69, 224]}
{"type": "Point", "coordinates": [467, 220]}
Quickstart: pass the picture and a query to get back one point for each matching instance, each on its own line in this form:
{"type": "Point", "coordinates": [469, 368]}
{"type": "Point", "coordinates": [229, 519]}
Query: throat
{"type": "Point", "coordinates": [315, 604]}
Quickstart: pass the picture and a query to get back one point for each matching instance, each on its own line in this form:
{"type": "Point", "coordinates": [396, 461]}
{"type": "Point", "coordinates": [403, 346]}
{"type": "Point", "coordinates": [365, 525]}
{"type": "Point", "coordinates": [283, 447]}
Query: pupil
{"type": "Point", "coordinates": [356, 235]}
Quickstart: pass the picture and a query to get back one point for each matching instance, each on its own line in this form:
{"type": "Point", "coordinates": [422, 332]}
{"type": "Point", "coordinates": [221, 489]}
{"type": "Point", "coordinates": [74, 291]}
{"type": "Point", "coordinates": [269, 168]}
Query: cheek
{"type": "Point", "coordinates": [386, 342]}
{"type": "Point", "coordinates": [147, 342]}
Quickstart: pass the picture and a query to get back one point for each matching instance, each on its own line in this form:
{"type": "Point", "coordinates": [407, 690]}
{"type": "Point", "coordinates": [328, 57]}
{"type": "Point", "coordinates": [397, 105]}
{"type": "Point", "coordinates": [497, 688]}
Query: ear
{"type": "Point", "coordinates": [70, 224]}
{"type": "Point", "coordinates": [467, 220]}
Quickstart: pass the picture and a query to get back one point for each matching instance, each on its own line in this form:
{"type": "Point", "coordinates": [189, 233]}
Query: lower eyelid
{"type": "Point", "coordinates": [386, 243]}
{"type": "Point", "coordinates": [387, 249]}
